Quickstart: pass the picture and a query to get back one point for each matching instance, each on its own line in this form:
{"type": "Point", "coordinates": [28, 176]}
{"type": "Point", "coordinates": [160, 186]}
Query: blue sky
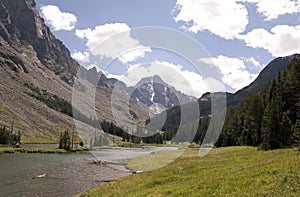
{"type": "Point", "coordinates": [239, 37]}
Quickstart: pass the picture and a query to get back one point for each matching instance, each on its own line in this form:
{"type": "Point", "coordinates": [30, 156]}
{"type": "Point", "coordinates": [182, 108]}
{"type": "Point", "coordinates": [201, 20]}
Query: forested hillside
{"type": "Point", "coordinates": [269, 119]}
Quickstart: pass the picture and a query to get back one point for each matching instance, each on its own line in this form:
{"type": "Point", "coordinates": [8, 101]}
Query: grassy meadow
{"type": "Point", "coordinates": [230, 171]}
{"type": "Point", "coordinates": [37, 150]}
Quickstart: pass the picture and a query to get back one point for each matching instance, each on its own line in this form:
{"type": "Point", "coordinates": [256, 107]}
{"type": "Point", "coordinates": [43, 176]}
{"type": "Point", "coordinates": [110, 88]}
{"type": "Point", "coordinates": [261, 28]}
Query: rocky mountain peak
{"type": "Point", "coordinates": [153, 90]}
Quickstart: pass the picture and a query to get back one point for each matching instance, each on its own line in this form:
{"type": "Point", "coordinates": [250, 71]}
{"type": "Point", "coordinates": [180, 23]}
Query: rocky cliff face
{"type": "Point", "coordinates": [32, 60]}
{"type": "Point", "coordinates": [22, 27]}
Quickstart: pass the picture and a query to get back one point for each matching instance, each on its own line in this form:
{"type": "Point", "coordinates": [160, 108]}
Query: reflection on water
{"type": "Point", "coordinates": [68, 174]}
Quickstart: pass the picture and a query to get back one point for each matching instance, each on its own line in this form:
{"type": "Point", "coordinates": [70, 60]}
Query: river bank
{"type": "Point", "coordinates": [67, 174]}
{"type": "Point", "coordinates": [39, 148]}
{"type": "Point", "coordinates": [10, 150]}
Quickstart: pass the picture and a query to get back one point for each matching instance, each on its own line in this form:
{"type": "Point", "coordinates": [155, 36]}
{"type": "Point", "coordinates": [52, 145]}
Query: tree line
{"type": "Point", "coordinates": [66, 141]}
{"type": "Point", "coordinates": [61, 105]}
{"type": "Point", "coordinates": [65, 107]}
{"type": "Point", "coordinates": [111, 128]}
{"type": "Point", "coordinates": [269, 119]}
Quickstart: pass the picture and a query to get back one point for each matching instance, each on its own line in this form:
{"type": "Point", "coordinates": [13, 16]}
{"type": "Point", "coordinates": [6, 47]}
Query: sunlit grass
{"type": "Point", "coordinates": [152, 161]}
{"type": "Point", "coordinates": [37, 150]}
{"type": "Point", "coordinates": [231, 171]}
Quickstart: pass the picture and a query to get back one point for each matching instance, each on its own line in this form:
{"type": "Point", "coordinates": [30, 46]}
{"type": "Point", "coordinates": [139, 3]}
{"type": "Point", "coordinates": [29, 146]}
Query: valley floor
{"type": "Point", "coordinates": [230, 171]}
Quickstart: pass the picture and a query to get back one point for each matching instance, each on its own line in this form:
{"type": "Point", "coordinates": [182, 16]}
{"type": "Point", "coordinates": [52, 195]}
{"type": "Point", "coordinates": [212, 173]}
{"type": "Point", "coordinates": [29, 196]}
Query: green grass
{"type": "Point", "coordinates": [231, 171]}
{"type": "Point", "coordinates": [128, 144]}
{"type": "Point", "coordinates": [120, 143]}
{"type": "Point", "coordinates": [37, 150]}
{"type": "Point", "coordinates": [152, 161]}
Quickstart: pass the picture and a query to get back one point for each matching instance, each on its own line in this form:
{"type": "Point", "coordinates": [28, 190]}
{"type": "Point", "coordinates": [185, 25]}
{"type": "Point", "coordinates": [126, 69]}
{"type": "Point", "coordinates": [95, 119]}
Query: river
{"type": "Point", "coordinates": [67, 174]}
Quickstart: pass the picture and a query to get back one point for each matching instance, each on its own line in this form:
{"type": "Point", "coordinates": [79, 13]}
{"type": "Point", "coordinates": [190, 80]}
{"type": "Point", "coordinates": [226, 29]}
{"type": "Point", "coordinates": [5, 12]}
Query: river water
{"type": "Point", "coordinates": [67, 174]}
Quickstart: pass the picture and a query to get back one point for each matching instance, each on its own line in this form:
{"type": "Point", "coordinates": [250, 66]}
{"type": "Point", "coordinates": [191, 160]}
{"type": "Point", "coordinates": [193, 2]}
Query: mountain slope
{"type": "Point", "coordinates": [270, 72]}
{"type": "Point", "coordinates": [28, 56]}
{"type": "Point", "coordinates": [37, 74]}
{"type": "Point", "coordinates": [260, 84]}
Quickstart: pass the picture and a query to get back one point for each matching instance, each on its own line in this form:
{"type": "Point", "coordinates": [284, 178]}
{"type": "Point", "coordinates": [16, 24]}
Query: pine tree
{"type": "Point", "coordinates": [266, 130]}
{"type": "Point", "coordinates": [296, 133]}
{"type": "Point", "coordinates": [291, 88]}
{"type": "Point", "coordinates": [65, 141]}
{"type": "Point", "coordinates": [285, 134]}
{"type": "Point", "coordinates": [60, 141]}
{"type": "Point", "coordinates": [252, 118]}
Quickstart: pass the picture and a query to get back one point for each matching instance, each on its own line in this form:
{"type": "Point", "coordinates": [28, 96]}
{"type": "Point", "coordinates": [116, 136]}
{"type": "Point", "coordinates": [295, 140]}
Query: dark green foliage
{"type": "Point", "coordinates": [4, 136]}
{"type": "Point", "coordinates": [286, 130]}
{"type": "Point", "coordinates": [61, 105]}
{"type": "Point", "coordinates": [54, 102]}
{"type": "Point", "coordinates": [136, 139]}
{"type": "Point", "coordinates": [112, 129]}
{"type": "Point", "coordinates": [65, 141]}
{"type": "Point", "coordinates": [296, 133]}
{"type": "Point", "coordinates": [188, 123]}
{"type": "Point", "coordinates": [268, 118]}
{"type": "Point", "coordinates": [253, 111]}
{"type": "Point", "coordinates": [9, 138]}
{"type": "Point", "coordinates": [81, 144]}
{"type": "Point", "coordinates": [157, 138]}
{"type": "Point", "coordinates": [266, 129]}
{"type": "Point", "coordinates": [232, 128]}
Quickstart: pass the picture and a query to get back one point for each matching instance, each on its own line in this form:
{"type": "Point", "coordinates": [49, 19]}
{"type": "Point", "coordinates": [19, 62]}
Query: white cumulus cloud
{"type": "Point", "coordinates": [186, 81]}
{"type": "Point", "coordinates": [113, 40]}
{"type": "Point", "coordinates": [228, 19]}
{"type": "Point", "coordinates": [282, 40]}
{"type": "Point", "coordinates": [81, 56]}
{"type": "Point", "coordinates": [223, 18]}
{"type": "Point", "coordinates": [134, 54]}
{"type": "Point", "coordinates": [272, 9]}
{"type": "Point", "coordinates": [234, 71]}
{"type": "Point", "coordinates": [253, 61]}
{"type": "Point", "coordinates": [57, 19]}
